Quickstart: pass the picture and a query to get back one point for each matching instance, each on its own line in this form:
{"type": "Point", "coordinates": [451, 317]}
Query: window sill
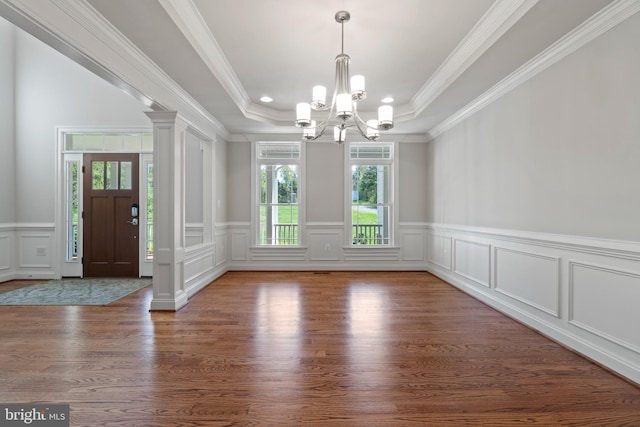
{"type": "Point", "coordinates": [280, 247]}
{"type": "Point", "coordinates": [371, 247]}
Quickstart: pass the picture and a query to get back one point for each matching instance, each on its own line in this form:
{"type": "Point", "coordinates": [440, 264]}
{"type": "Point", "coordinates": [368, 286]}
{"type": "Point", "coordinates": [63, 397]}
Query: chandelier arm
{"type": "Point", "coordinates": [359, 123]}
{"type": "Point", "coordinates": [323, 125]}
{"type": "Point", "coordinates": [356, 116]}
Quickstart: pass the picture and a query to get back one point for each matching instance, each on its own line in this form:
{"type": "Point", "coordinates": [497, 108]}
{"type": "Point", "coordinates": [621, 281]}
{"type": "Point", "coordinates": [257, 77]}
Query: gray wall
{"type": "Point", "coordinates": [220, 181]}
{"type": "Point", "coordinates": [413, 174]}
{"type": "Point", "coordinates": [559, 154]}
{"type": "Point", "coordinates": [51, 90]}
{"type": "Point", "coordinates": [193, 179]}
{"type": "Point", "coordinates": [7, 122]}
{"type": "Point", "coordinates": [239, 182]}
{"type": "Point", "coordinates": [325, 182]}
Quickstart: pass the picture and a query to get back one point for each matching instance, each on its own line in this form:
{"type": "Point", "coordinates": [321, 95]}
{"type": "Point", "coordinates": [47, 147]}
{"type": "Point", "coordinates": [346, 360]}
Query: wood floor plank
{"type": "Point", "coordinates": [298, 348]}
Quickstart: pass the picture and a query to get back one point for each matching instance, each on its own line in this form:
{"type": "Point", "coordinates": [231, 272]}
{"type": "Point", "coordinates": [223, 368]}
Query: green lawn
{"type": "Point", "coordinates": [289, 215]}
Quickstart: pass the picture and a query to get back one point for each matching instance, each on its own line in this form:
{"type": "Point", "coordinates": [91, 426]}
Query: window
{"type": "Point", "coordinates": [278, 192]}
{"type": "Point", "coordinates": [71, 199]}
{"type": "Point", "coordinates": [123, 142]}
{"type": "Point", "coordinates": [148, 238]}
{"type": "Point", "coordinates": [105, 175]}
{"type": "Point", "coordinates": [370, 212]}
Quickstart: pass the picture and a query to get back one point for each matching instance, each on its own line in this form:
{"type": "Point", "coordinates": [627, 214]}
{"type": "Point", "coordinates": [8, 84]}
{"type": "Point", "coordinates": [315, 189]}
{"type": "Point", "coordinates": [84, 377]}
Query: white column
{"type": "Point", "coordinates": [169, 133]}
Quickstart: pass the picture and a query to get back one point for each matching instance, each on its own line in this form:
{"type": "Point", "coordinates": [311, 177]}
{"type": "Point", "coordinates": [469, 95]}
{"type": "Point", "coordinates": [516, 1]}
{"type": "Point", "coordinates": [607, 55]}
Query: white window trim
{"type": "Point", "coordinates": [393, 200]}
{"type": "Point", "coordinates": [255, 194]}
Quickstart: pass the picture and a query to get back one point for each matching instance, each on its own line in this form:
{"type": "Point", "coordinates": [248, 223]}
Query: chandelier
{"type": "Point", "coordinates": [347, 93]}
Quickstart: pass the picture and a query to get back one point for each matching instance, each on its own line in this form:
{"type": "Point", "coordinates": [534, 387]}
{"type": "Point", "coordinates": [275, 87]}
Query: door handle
{"type": "Point", "coordinates": [134, 221]}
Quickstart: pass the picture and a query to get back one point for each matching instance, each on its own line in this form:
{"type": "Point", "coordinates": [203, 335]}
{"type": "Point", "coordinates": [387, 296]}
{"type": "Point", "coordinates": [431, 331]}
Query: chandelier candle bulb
{"type": "Point", "coordinates": [303, 114]}
{"type": "Point", "coordinates": [357, 87]}
{"type": "Point", "coordinates": [385, 117]}
{"type": "Point", "coordinates": [310, 131]}
{"type": "Point", "coordinates": [319, 97]}
{"type": "Point", "coordinates": [344, 109]}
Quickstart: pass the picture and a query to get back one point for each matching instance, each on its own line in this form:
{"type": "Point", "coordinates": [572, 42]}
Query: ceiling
{"type": "Point", "coordinates": [432, 56]}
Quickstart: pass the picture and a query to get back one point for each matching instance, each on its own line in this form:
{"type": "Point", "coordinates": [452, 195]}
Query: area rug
{"type": "Point", "coordinates": [74, 292]}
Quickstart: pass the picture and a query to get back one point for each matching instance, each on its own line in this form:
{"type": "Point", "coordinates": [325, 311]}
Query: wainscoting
{"type": "Point", "coordinates": [584, 293]}
{"type": "Point", "coordinates": [203, 261]}
{"type": "Point", "coordinates": [324, 248]}
{"type": "Point", "coordinates": [27, 251]}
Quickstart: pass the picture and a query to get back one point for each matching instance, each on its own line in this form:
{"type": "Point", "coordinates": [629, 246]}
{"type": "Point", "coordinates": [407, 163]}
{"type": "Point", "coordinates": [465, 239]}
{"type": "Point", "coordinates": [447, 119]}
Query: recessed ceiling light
{"type": "Point", "coordinates": [266, 99]}
{"type": "Point", "coordinates": [387, 100]}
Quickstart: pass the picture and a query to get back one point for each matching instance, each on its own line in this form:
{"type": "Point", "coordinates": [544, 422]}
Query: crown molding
{"type": "Point", "coordinates": [601, 22]}
{"type": "Point", "coordinates": [187, 17]}
{"type": "Point", "coordinates": [500, 17]}
{"type": "Point", "coordinates": [78, 31]}
{"type": "Point", "coordinates": [496, 21]}
{"type": "Point", "coordinates": [190, 22]}
{"type": "Point", "coordinates": [295, 137]}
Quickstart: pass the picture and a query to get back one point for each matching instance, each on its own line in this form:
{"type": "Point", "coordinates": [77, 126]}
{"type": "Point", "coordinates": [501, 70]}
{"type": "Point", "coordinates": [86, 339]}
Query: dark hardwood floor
{"type": "Point", "coordinates": [274, 348]}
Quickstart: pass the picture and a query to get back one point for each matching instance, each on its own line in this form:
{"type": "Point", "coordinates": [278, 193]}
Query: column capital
{"type": "Point", "coordinates": [167, 117]}
{"type": "Point", "coordinates": [162, 116]}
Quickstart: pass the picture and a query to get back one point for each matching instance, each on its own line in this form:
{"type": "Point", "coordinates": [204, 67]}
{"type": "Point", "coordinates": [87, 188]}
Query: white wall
{"type": "Point", "coordinates": [41, 89]}
{"type": "Point", "coordinates": [7, 122]}
{"type": "Point", "coordinates": [533, 202]}
{"type": "Point", "coordinates": [51, 90]}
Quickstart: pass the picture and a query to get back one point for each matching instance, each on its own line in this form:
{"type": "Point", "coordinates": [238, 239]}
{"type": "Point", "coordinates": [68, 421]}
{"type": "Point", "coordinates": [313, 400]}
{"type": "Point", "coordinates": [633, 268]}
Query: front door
{"type": "Point", "coordinates": [110, 215]}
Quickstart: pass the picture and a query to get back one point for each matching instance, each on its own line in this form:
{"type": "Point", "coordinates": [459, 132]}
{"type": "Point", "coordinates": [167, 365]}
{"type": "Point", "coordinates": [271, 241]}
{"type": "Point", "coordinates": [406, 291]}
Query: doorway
{"type": "Point", "coordinates": [111, 215]}
{"type": "Point", "coordinates": [135, 145]}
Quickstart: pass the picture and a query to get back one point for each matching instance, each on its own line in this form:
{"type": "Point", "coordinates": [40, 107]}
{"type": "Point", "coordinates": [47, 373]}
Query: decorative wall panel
{"type": "Point", "coordinates": [5, 252]}
{"type": "Point", "coordinates": [529, 277]}
{"type": "Point", "coordinates": [605, 301]}
{"type": "Point", "coordinates": [413, 246]}
{"type": "Point", "coordinates": [439, 250]}
{"type": "Point", "coordinates": [472, 260]}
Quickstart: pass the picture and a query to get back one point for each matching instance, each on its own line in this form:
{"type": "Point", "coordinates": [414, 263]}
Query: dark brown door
{"type": "Point", "coordinates": [111, 215]}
